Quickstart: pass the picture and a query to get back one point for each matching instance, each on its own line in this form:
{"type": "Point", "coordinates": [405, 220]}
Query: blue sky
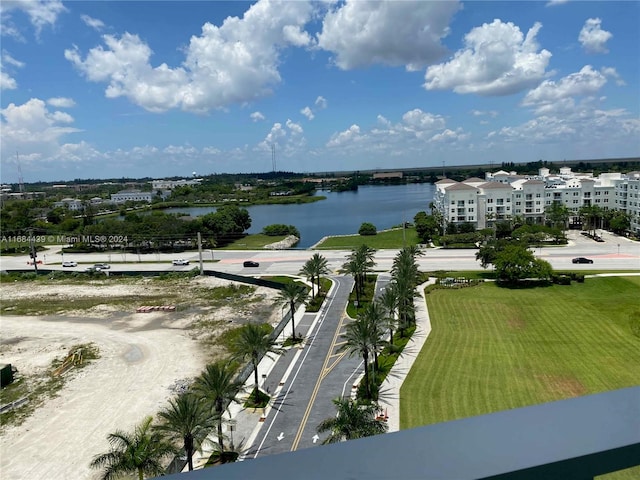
{"type": "Point", "coordinates": [132, 89]}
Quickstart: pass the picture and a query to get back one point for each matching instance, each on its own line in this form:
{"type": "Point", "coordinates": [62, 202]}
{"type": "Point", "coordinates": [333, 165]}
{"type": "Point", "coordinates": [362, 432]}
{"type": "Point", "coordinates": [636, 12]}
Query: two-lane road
{"type": "Point", "coordinates": [318, 374]}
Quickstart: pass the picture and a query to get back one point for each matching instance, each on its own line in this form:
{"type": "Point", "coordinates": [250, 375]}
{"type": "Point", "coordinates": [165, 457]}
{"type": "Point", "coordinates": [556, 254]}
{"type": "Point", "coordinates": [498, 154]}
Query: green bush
{"type": "Point", "coordinates": [279, 229]}
{"type": "Point", "coordinates": [367, 229]}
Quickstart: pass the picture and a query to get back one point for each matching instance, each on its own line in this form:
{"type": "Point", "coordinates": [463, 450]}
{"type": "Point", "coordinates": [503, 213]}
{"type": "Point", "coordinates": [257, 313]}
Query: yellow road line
{"type": "Point", "coordinates": [307, 412]}
{"type": "Point", "coordinates": [332, 366]}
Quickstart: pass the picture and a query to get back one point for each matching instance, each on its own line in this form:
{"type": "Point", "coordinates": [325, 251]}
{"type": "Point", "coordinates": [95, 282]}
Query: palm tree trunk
{"type": "Point", "coordinates": [188, 448]}
{"type": "Point", "coordinates": [313, 292]}
{"type": "Point", "coordinates": [365, 357]}
{"type": "Point", "coordinates": [140, 474]}
{"type": "Point", "coordinates": [255, 374]}
{"type": "Point", "coordinates": [293, 323]}
{"type": "Point", "coordinates": [219, 412]}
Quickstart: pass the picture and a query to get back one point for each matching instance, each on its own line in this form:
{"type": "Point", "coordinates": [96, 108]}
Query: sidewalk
{"type": "Point", "coordinates": [273, 372]}
{"type": "Point", "coordinates": [389, 396]}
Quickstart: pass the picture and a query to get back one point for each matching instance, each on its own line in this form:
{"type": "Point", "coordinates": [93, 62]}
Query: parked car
{"type": "Point", "coordinates": [69, 264]}
{"type": "Point", "coordinates": [582, 260]}
{"type": "Point", "coordinates": [251, 263]}
{"type": "Point", "coordinates": [181, 261]}
{"type": "Point", "coordinates": [102, 266]}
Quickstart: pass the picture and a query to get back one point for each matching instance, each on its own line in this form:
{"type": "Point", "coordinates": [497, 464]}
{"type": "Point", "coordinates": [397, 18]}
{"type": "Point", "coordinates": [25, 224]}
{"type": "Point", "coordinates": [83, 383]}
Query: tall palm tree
{"type": "Point", "coordinates": [359, 262]}
{"type": "Point", "coordinates": [254, 342]}
{"type": "Point", "coordinates": [218, 387]}
{"type": "Point", "coordinates": [309, 273]}
{"type": "Point", "coordinates": [320, 266]}
{"type": "Point", "coordinates": [374, 315]}
{"type": "Point", "coordinates": [389, 302]}
{"type": "Point", "coordinates": [352, 421]}
{"type": "Point", "coordinates": [292, 294]}
{"type": "Point", "coordinates": [361, 337]}
{"type": "Point", "coordinates": [140, 452]}
{"type": "Point", "coordinates": [188, 420]}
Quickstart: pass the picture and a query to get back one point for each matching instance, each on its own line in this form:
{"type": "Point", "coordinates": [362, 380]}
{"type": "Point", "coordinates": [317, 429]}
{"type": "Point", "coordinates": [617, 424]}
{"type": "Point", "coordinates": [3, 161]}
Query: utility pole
{"type": "Point", "coordinates": [32, 251]}
{"type": "Point", "coordinates": [200, 253]}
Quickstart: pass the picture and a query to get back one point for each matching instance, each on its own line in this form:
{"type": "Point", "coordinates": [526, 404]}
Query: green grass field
{"type": "Point", "coordinates": [493, 348]}
{"type": "Point", "coordinates": [253, 242]}
{"type": "Point", "coordinates": [388, 239]}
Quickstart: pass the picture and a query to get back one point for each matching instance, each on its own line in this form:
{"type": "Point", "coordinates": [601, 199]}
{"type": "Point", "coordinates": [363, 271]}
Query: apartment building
{"type": "Point", "coordinates": [503, 195]}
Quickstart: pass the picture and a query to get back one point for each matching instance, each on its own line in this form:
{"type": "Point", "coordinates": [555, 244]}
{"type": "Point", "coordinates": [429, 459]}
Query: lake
{"type": "Point", "coordinates": [341, 213]}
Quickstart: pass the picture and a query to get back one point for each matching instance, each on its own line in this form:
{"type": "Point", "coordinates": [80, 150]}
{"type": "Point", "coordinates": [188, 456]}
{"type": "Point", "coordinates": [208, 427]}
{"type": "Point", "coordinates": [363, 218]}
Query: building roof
{"type": "Point", "coordinates": [473, 180]}
{"type": "Point", "coordinates": [460, 186]}
{"type": "Point", "coordinates": [495, 186]}
{"type": "Point", "coordinates": [533, 182]}
{"type": "Point", "coordinates": [445, 180]}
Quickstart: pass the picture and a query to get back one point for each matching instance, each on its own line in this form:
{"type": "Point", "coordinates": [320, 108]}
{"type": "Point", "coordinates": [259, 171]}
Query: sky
{"type": "Point", "coordinates": [112, 89]}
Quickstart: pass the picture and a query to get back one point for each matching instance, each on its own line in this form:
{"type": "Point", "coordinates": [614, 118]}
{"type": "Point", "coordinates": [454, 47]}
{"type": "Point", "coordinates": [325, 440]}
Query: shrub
{"type": "Point", "coordinates": [278, 229]}
{"type": "Point", "coordinates": [367, 229]}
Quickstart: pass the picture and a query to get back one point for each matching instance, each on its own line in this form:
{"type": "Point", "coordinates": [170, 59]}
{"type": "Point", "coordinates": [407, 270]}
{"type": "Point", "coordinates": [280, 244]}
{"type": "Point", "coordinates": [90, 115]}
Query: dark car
{"type": "Point", "coordinates": [251, 263]}
{"type": "Point", "coordinates": [581, 260]}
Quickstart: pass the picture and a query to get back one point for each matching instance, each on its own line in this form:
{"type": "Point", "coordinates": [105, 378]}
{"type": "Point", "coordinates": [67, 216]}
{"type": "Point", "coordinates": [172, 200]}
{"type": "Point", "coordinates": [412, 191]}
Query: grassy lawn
{"type": "Point", "coordinates": [388, 239]}
{"type": "Point", "coordinates": [493, 348]}
{"type": "Point", "coordinates": [252, 242]}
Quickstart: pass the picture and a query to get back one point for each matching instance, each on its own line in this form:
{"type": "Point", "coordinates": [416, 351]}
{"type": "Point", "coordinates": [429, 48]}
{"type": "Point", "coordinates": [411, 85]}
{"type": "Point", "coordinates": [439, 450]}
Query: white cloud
{"type": "Point", "coordinates": [34, 131]}
{"type": "Point", "coordinates": [612, 72]}
{"type": "Point", "coordinates": [593, 38]}
{"type": "Point", "coordinates": [61, 102]}
{"type": "Point", "coordinates": [553, 3]}
{"type": "Point", "coordinates": [585, 82]}
{"type": "Point", "coordinates": [7, 82]}
{"type": "Point", "coordinates": [234, 63]}
{"type": "Point", "coordinates": [321, 102]}
{"type": "Point", "coordinates": [6, 58]}
{"type": "Point", "coordinates": [41, 13]}
{"type": "Point", "coordinates": [295, 128]}
{"type": "Point", "coordinates": [407, 33]}
{"type": "Point", "coordinates": [307, 112]}
{"type": "Point", "coordinates": [352, 134]}
{"type": "Point", "coordinates": [257, 116]}
{"type": "Point", "coordinates": [497, 60]}
{"type": "Point", "coordinates": [449, 136]}
{"type": "Point", "coordinates": [585, 126]}
{"type": "Point", "coordinates": [482, 113]}
{"type": "Point", "coordinates": [92, 22]}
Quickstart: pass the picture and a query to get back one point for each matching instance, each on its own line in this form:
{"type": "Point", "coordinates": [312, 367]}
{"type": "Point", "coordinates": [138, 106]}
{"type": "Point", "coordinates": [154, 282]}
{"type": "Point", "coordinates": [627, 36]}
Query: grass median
{"type": "Point", "coordinates": [493, 348]}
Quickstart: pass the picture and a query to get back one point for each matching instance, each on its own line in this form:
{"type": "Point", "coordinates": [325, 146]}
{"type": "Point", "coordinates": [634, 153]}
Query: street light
{"type": "Point", "coordinates": [232, 427]}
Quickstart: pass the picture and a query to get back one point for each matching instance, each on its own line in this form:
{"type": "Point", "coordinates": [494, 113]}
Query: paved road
{"type": "Point", "coordinates": [616, 253]}
{"type": "Point", "coordinates": [320, 372]}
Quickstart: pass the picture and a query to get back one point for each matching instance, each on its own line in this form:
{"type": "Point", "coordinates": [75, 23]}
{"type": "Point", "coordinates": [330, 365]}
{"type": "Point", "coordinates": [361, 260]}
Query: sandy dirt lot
{"type": "Point", "coordinates": [142, 359]}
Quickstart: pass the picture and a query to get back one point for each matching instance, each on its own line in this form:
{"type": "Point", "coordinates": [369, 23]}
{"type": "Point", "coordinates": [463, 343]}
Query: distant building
{"type": "Point", "coordinates": [131, 196]}
{"type": "Point", "coordinates": [72, 204]}
{"type": "Point", "coordinates": [505, 195]}
{"type": "Point", "coordinates": [171, 184]}
{"type": "Point", "coordinates": [385, 175]}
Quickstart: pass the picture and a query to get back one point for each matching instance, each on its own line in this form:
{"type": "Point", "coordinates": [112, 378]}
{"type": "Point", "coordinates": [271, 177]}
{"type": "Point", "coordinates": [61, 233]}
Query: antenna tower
{"type": "Point", "coordinates": [273, 157]}
{"type": "Point", "coordinates": [20, 179]}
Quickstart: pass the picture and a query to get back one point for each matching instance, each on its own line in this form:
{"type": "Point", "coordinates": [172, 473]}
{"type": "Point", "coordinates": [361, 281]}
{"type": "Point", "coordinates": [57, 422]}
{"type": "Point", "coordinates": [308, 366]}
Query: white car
{"type": "Point", "coordinates": [181, 261]}
{"type": "Point", "coordinates": [69, 264]}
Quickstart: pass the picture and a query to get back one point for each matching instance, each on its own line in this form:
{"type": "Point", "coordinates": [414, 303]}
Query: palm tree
{"type": "Point", "coordinates": [361, 337]}
{"type": "Point", "coordinates": [139, 452]}
{"type": "Point", "coordinates": [218, 387]}
{"type": "Point", "coordinates": [389, 301]}
{"type": "Point", "coordinates": [309, 273]}
{"type": "Point", "coordinates": [254, 342]}
{"type": "Point", "coordinates": [319, 266]}
{"type": "Point", "coordinates": [292, 294]}
{"type": "Point", "coordinates": [352, 421]}
{"type": "Point", "coordinates": [374, 315]}
{"type": "Point", "coordinates": [187, 419]}
{"type": "Point", "coordinates": [359, 263]}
